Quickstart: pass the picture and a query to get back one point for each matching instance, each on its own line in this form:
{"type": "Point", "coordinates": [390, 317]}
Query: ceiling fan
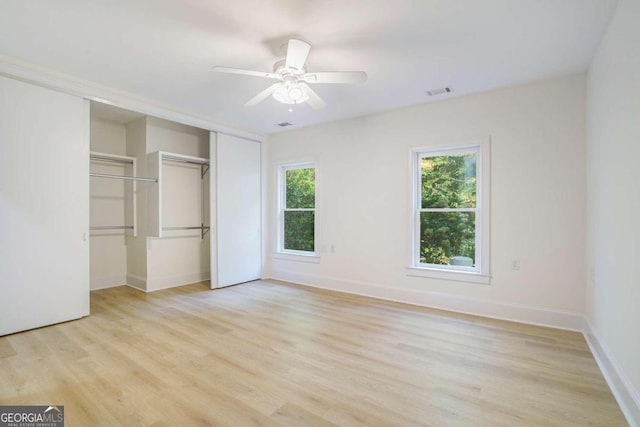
{"type": "Point", "coordinates": [293, 77]}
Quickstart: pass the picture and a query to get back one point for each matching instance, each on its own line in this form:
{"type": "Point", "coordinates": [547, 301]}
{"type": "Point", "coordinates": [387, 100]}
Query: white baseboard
{"type": "Point", "coordinates": [137, 282]}
{"type": "Point", "coordinates": [159, 283]}
{"type": "Point", "coordinates": [497, 310]}
{"type": "Point", "coordinates": [107, 282]}
{"type": "Point", "coordinates": [626, 395]}
{"type": "Point", "coordinates": [151, 284]}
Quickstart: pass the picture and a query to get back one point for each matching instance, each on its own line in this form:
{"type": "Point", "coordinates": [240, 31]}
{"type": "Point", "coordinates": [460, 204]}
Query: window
{"type": "Point", "coordinates": [450, 208]}
{"type": "Point", "coordinates": [297, 209]}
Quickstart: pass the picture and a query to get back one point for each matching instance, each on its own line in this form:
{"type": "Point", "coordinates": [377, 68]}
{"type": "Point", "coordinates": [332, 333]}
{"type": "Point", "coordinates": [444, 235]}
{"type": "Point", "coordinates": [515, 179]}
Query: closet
{"type": "Point", "coordinates": [93, 196]}
{"type": "Point", "coordinates": [160, 211]}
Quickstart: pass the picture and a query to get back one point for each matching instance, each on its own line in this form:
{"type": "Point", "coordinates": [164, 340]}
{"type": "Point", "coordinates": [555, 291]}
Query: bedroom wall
{"type": "Point", "coordinates": [108, 259]}
{"type": "Point", "coordinates": [613, 194]}
{"type": "Point", "coordinates": [537, 136]}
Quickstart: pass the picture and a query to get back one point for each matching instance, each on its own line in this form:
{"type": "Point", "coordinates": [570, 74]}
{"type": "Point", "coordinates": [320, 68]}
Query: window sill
{"type": "Point", "coordinates": [311, 258]}
{"type": "Point", "coordinates": [458, 276]}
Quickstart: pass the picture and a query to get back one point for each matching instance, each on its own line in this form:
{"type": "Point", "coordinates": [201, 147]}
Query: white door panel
{"type": "Point", "coordinates": [44, 206]}
{"type": "Point", "coordinates": [238, 210]}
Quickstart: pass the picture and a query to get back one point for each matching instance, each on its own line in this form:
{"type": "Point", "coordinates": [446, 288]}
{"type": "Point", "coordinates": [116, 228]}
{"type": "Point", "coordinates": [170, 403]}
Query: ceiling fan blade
{"type": "Point", "coordinates": [347, 77]}
{"type": "Point", "coordinates": [246, 72]}
{"type": "Point", "coordinates": [262, 95]}
{"type": "Point", "coordinates": [314, 100]}
{"type": "Point", "coordinates": [297, 53]}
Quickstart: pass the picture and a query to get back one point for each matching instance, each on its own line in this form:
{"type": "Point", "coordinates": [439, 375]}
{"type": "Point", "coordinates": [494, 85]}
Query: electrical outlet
{"type": "Point", "coordinates": [515, 264]}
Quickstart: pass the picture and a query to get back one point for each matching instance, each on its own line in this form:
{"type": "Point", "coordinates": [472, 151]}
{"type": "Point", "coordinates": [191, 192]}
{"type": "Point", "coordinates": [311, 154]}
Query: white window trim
{"type": "Point", "coordinates": [298, 257]}
{"type": "Point", "coordinates": [289, 254]}
{"type": "Point", "coordinates": [480, 273]}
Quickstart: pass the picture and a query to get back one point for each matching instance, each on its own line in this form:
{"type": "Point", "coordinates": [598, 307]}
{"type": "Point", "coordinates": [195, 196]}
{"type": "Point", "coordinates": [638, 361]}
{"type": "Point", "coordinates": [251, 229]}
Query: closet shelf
{"type": "Point", "coordinates": [131, 178]}
{"type": "Point", "coordinates": [104, 157]}
{"type": "Point", "coordinates": [180, 158]}
{"type": "Point", "coordinates": [115, 158]}
{"type": "Point", "coordinates": [130, 191]}
{"type": "Point", "coordinates": [111, 227]}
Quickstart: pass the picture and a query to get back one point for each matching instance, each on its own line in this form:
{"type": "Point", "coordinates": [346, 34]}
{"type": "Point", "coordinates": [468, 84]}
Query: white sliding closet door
{"type": "Point", "coordinates": [238, 207]}
{"type": "Point", "coordinates": [44, 206]}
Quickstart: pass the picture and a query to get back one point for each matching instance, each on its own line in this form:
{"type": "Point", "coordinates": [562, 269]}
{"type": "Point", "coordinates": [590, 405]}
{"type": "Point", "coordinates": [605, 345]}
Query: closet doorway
{"type": "Point", "coordinates": [171, 204]}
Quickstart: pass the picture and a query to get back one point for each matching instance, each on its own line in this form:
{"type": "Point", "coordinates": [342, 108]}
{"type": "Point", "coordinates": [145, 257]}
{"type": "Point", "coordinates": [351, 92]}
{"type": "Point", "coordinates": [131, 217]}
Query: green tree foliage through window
{"type": "Point", "coordinates": [299, 209]}
{"type": "Point", "coordinates": [449, 181]}
{"type": "Point", "coordinates": [447, 202]}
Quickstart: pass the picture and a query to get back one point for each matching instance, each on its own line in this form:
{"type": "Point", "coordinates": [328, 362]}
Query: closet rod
{"type": "Point", "coordinates": [111, 227]}
{"type": "Point", "coordinates": [109, 159]}
{"type": "Point", "coordinates": [204, 229]}
{"type": "Point", "coordinates": [179, 160]}
{"type": "Point", "coordinates": [132, 178]}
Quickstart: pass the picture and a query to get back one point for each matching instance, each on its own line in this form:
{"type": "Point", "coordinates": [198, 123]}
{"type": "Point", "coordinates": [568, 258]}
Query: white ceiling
{"type": "Point", "coordinates": [163, 50]}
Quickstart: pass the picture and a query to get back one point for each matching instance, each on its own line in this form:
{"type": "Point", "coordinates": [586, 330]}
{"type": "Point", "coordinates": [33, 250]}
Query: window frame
{"type": "Point", "coordinates": [293, 254]}
{"type": "Point", "coordinates": [480, 272]}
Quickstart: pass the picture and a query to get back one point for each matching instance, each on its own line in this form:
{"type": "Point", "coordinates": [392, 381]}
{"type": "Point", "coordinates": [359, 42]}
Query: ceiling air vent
{"type": "Point", "coordinates": [284, 124]}
{"type": "Point", "coordinates": [441, 91]}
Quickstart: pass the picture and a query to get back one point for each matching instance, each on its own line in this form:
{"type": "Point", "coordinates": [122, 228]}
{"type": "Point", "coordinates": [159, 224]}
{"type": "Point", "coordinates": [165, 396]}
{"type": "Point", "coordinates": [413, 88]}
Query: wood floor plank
{"type": "Point", "coordinates": [291, 414]}
{"type": "Point", "coordinates": [6, 349]}
{"type": "Point", "coordinates": [270, 353]}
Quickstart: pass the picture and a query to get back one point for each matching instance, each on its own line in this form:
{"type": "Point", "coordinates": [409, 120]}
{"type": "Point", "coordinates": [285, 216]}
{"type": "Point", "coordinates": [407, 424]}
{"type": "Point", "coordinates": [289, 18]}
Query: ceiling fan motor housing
{"type": "Point", "coordinates": [280, 67]}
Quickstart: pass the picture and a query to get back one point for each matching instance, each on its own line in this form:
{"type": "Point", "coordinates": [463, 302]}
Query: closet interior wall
{"type": "Point", "coordinates": [108, 248]}
{"type": "Point", "coordinates": [180, 256]}
{"type": "Point", "coordinates": [117, 256]}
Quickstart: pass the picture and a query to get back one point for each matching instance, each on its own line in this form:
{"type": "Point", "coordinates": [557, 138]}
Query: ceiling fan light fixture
{"type": "Point", "coordinates": [281, 95]}
{"type": "Point", "coordinates": [295, 92]}
{"type": "Point", "coordinates": [290, 94]}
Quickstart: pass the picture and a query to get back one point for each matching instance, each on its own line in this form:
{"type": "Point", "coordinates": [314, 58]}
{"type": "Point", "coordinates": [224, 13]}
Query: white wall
{"type": "Point", "coordinates": [538, 198]}
{"type": "Point", "coordinates": [44, 206]}
{"type": "Point", "coordinates": [163, 135]}
{"type": "Point", "coordinates": [108, 259]}
{"type": "Point", "coordinates": [181, 256]}
{"type": "Point", "coordinates": [108, 136]}
{"type": "Point", "coordinates": [137, 246]}
{"type": "Point", "coordinates": [613, 230]}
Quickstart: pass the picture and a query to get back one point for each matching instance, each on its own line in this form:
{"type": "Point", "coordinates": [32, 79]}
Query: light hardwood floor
{"type": "Point", "coordinates": [266, 353]}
